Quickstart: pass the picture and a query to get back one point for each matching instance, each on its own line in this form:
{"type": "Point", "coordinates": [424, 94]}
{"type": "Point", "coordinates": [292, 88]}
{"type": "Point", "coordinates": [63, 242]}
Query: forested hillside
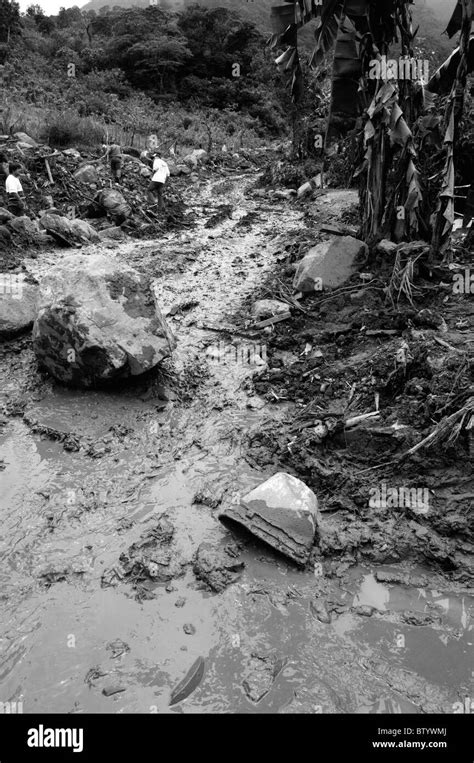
{"type": "Point", "coordinates": [69, 77]}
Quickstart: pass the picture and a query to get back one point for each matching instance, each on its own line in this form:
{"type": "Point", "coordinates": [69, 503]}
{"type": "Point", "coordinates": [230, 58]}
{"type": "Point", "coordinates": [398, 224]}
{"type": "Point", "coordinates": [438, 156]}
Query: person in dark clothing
{"type": "Point", "coordinates": [114, 154]}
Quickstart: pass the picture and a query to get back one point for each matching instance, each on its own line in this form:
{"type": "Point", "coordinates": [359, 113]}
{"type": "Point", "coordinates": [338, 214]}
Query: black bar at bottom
{"type": "Point", "coordinates": [110, 738]}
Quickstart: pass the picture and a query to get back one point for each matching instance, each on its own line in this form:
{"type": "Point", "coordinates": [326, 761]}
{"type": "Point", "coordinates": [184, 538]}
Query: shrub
{"type": "Point", "coordinates": [70, 130]}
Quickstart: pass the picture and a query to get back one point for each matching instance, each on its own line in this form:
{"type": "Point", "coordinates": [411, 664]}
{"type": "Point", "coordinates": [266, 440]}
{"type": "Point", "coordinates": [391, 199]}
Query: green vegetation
{"type": "Point", "coordinates": [197, 75]}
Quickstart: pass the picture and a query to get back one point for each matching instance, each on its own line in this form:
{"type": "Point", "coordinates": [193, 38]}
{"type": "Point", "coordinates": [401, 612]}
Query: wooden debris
{"type": "Point", "coordinates": [363, 416]}
{"type": "Point", "coordinates": [271, 321]}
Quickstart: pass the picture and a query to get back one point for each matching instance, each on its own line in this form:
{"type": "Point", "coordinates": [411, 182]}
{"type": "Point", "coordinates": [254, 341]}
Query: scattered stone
{"type": "Point", "coordinates": [386, 247]}
{"type": "Point", "coordinates": [307, 188]}
{"type": "Point", "coordinates": [87, 174]}
{"type": "Point", "coordinates": [319, 610]}
{"type": "Point", "coordinates": [5, 236]}
{"type": "Point", "coordinates": [283, 512]}
{"type": "Point", "coordinates": [260, 675]}
{"type": "Point", "coordinates": [189, 629]}
{"type": "Point", "coordinates": [18, 311]}
{"type": "Point", "coordinates": [114, 233]}
{"type": "Point", "coordinates": [98, 321]}
{"type": "Point", "coordinates": [266, 308]}
{"type": "Point", "coordinates": [72, 152]}
{"type": "Point", "coordinates": [5, 215]}
{"type": "Point", "coordinates": [216, 567]}
{"type": "Point", "coordinates": [146, 172]}
{"type": "Point", "coordinates": [420, 618]}
{"type": "Point", "coordinates": [83, 230]}
{"type": "Point", "coordinates": [117, 648]}
{"type": "Point", "coordinates": [365, 610]}
{"type": "Point", "coordinates": [24, 225]}
{"type": "Point", "coordinates": [180, 602]}
{"type": "Point", "coordinates": [191, 160]}
{"type": "Point", "coordinates": [329, 264]}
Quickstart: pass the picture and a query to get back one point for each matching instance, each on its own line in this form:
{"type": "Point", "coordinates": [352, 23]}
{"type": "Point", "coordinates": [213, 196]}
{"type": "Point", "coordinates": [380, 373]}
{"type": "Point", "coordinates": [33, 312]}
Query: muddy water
{"type": "Point", "coordinates": [68, 511]}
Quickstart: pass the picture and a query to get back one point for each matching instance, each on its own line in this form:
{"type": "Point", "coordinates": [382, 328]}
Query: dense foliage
{"type": "Point", "coordinates": [127, 65]}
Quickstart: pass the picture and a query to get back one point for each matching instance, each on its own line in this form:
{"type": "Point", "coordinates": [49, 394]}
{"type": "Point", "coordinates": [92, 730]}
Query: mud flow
{"type": "Point", "coordinates": [121, 588]}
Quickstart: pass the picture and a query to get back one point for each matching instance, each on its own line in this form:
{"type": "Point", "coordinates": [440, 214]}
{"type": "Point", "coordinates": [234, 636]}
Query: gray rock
{"type": "Point", "coordinates": [82, 230]}
{"type": "Point", "coordinates": [5, 215]}
{"type": "Point", "coordinates": [283, 512]}
{"type": "Point", "coordinates": [191, 161]}
{"type": "Point", "coordinates": [266, 308]}
{"type": "Point", "coordinates": [329, 264]}
{"type": "Point", "coordinates": [309, 186]}
{"type": "Point", "coordinates": [17, 310]}
{"type": "Point", "coordinates": [87, 174]}
{"type": "Point", "coordinates": [24, 138]}
{"type": "Point", "coordinates": [98, 321]}
{"type": "Point", "coordinates": [24, 225]}
{"type": "Point", "coordinates": [145, 172]}
{"type": "Point", "coordinates": [386, 247]}
{"type": "Point", "coordinates": [57, 224]}
{"type": "Point", "coordinates": [217, 565]}
{"type": "Point", "coordinates": [72, 152]}
{"type": "Point", "coordinates": [114, 233]}
{"type": "Point", "coordinates": [5, 235]}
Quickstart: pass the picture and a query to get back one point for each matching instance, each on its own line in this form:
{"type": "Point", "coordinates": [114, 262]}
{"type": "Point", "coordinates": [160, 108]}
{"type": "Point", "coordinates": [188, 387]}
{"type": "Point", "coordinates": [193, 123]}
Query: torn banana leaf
{"type": "Point", "coordinates": [190, 682]}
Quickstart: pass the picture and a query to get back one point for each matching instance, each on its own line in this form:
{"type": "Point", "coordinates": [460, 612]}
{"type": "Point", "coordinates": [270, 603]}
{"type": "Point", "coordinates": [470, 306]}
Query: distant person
{"type": "Point", "coordinates": [161, 173]}
{"type": "Point", "coordinates": [114, 154]}
{"type": "Point", "coordinates": [14, 189]}
{"type": "Point", "coordinates": [4, 165]}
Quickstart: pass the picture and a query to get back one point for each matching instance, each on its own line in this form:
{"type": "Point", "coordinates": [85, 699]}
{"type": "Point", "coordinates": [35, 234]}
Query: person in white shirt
{"type": "Point", "coordinates": [161, 173]}
{"type": "Point", "coordinates": [14, 189]}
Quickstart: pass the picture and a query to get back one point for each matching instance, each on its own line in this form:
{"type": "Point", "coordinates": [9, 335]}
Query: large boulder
{"type": "Point", "coordinates": [18, 305]}
{"type": "Point", "coordinates": [87, 174]}
{"type": "Point", "coordinates": [114, 204]}
{"type": "Point", "coordinates": [173, 168]}
{"type": "Point", "coordinates": [200, 154]}
{"type": "Point", "coordinates": [24, 225]}
{"type": "Point", "coordinates": [191, 161]}
{"type": "Point", "coordinates": [83, 231]}
{"type": "Point", "coordinates": [98, 321]}
{"type": "Point", "coordinates": [283, 512]}
{"type": "Point", "coordinates": [329, 264]}
{"type": "Point", "coordinates": [58, 225]}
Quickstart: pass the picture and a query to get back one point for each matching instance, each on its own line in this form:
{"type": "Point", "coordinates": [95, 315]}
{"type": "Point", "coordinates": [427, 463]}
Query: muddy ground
{"type": "Point", "coordinates": [116, 573]}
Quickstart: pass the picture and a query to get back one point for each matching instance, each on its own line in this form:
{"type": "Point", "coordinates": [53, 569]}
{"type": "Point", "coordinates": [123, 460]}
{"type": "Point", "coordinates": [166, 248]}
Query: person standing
{"type": "Point", "coordinates": [161, 173]}
{"type": "Point", "coordinates": [14, 189]}
{"type": "Point", "coordinates": [114, 155]}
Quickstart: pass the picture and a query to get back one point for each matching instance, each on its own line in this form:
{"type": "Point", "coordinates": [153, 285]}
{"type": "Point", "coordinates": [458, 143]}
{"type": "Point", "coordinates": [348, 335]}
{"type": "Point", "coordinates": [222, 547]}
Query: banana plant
{"type": "Point", "coordinates": [361, 31]}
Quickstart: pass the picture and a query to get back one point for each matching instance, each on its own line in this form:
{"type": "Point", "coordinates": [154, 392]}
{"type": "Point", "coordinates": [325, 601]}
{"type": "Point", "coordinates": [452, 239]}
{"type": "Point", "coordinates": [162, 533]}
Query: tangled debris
{"type": "Point", "coordinates": [69, 184]}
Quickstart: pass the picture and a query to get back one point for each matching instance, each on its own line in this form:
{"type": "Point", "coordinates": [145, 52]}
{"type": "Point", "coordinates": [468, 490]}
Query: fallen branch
{"type": "Point", "coordinates": [448, 346]}
{"type": "Point", "coordinates": [271, 321]}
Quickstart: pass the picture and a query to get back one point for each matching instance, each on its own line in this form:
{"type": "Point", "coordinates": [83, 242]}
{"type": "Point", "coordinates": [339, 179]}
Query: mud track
{"type": "Point", "coordinates": [116, 574]}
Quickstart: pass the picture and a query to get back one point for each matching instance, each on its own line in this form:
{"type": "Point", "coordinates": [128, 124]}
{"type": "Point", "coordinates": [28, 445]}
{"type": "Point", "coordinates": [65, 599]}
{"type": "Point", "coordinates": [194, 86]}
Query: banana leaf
{"type": "Point", "coordinates": [443, 78]}
{"type": "Point", "coordinates": [455, 22]}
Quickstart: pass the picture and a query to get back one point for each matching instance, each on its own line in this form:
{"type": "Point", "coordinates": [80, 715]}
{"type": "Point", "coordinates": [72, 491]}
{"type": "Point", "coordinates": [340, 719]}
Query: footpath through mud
{"type": "Point", "coordinates": [116, 574]}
